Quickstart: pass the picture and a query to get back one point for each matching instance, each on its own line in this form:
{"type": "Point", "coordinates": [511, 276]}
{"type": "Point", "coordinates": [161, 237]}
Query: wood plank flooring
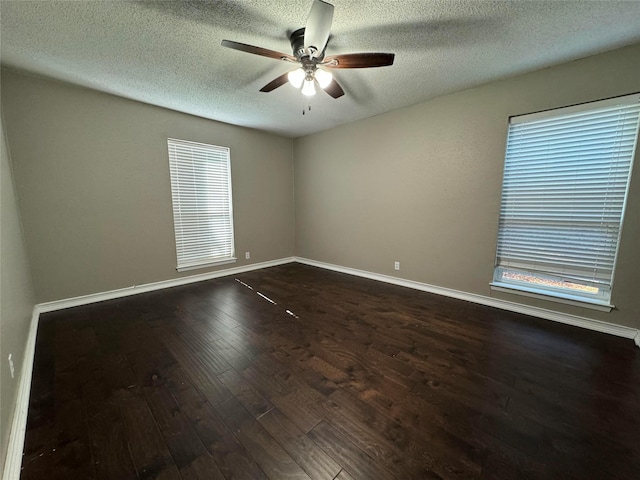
{"type": "Point", "coordinates": [294, 372]}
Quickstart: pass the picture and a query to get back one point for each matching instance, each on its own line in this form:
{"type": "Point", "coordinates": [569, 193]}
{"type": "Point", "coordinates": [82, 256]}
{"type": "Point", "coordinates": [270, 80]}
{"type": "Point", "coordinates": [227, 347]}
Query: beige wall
{"type": "Point", "coordinates": [16, 296]}
{"type": "Point", "coordinates": [92, 176]}
{"type": "Point", "coordinates": [422, 185]}
{"type": "Point", "coordinates": [419, 185]}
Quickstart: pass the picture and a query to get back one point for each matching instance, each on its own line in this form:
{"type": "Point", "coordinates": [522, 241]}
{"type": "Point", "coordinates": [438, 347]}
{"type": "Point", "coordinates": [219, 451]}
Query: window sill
{"type": "Point", "coordinates": [224, 261]}
{"type": "Point", "coordinates": [552, 297]}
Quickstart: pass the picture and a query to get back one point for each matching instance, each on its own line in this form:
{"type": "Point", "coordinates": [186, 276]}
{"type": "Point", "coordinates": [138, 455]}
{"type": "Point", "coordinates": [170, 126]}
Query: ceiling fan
{"type": "Point", "coordinates": [309, 44]}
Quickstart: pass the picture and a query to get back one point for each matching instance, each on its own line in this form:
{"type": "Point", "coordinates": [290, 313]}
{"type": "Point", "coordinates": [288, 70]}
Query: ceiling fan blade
{"type": "Point", "coordinates": [275, 83]}
{"type": "Point", "coordinates": [318, 28]}
{"type": "Point", "coordinates": [243, 47]}
{"type": "Point", "coordinates": [359, 60]}
{"type": "Point", "coordinates": [334, 89]}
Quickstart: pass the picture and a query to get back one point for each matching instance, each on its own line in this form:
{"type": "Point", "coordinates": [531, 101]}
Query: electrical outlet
{"type": "Point", "coordinates": [11, 366]}
{"type": "Point", "coordinates": [396, 265]}
{"type": "Point", "coordinates": [247, 255]}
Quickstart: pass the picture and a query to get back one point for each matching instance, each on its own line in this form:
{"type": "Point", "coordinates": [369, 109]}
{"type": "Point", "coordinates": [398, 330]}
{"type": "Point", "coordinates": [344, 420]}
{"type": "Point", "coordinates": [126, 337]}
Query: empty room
{"type": "Point", "coordinates": [298, 239]}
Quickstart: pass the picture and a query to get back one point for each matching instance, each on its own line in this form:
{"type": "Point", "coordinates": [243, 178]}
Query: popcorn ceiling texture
{"type": "Point", "coordinates": [168, 53]}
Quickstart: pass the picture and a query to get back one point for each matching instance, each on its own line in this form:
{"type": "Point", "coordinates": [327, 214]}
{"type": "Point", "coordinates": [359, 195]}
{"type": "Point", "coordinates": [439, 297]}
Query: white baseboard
{"type": "Point", "coordinates": [588, 323]}
{"type": "Point", "coordinates": [15, 447]}
{"type": "Point", "coordinates": [149, 287]}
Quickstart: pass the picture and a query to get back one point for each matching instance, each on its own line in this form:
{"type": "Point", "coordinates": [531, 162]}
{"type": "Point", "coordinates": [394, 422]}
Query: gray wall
{"type": "Point", "coordinates": [92, 175]}
{"type": "Point", "coordinates": [16, 296]}
{"type": "Point", "coordinates": [422, 185]}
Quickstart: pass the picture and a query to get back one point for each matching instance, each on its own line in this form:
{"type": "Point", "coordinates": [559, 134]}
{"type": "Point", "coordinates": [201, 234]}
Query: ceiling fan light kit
{"type": "Point", "coordinates": [308, 88]}
{"type": "Point", "coordinates": [296, 77]}
{"type": "Point", "coordinates": [309, 45]}
{"type": "Point", "coordinates": [324, 78]}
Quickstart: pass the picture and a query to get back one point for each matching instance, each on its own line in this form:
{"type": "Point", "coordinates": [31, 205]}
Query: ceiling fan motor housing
{"type": "Point", "coordinates": [297, 44]}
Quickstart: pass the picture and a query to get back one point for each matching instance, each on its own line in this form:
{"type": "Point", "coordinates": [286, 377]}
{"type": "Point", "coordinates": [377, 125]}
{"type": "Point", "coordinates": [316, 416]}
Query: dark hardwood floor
{"type": "Point", "coordinates": [328, 377]}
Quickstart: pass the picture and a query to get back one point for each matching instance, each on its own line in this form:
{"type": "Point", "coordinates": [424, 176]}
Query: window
{"type": "Point", "coordinates": [202, 207]}
{"type": "Point", "coordinates": [565, 185]}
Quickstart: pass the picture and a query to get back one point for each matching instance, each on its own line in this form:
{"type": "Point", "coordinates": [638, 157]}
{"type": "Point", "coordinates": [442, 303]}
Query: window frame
{"type": "Point", "coordinates": [196, 168]}
{"type": "Point", "coordinates": [601, 299]}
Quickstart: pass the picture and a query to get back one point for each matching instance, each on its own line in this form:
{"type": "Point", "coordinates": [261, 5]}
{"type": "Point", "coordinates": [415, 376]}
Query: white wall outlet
{"type": "Point", "coordinates": [396, 265]}
{"type": "Point", "coordinates": [247, 255]}
{"type": "Point", "coordinates": [11, 366]}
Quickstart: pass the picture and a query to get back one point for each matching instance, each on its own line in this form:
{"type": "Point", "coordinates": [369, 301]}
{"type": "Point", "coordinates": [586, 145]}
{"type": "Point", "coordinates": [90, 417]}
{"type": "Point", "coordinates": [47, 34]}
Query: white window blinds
{"type": "Point", "coordinates": [564, 189]}
{"type": "Point", "coordinates": [202, 205]}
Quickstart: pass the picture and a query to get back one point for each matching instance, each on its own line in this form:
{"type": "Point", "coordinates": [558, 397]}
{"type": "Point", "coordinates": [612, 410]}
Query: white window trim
{"type": "Point", "coordinates": [551, 296]}
{"type": "Point", "coordinates": [197, 266]}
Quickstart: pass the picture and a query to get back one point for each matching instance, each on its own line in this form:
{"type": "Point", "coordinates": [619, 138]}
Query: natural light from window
{"type": "Point", "coordinates": [564, 190]}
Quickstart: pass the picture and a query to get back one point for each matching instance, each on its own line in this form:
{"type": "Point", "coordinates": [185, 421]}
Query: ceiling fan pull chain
{"type": "Point", "coordinates": [308, 107]}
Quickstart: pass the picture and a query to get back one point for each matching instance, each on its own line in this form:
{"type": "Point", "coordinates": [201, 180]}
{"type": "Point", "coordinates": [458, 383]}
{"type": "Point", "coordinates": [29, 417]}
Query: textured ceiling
{"type": "Point", "coordinates": [168, 53]}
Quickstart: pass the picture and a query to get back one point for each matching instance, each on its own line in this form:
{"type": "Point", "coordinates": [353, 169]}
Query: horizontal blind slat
{"type": "Point", "coordinates": [564, 189]}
